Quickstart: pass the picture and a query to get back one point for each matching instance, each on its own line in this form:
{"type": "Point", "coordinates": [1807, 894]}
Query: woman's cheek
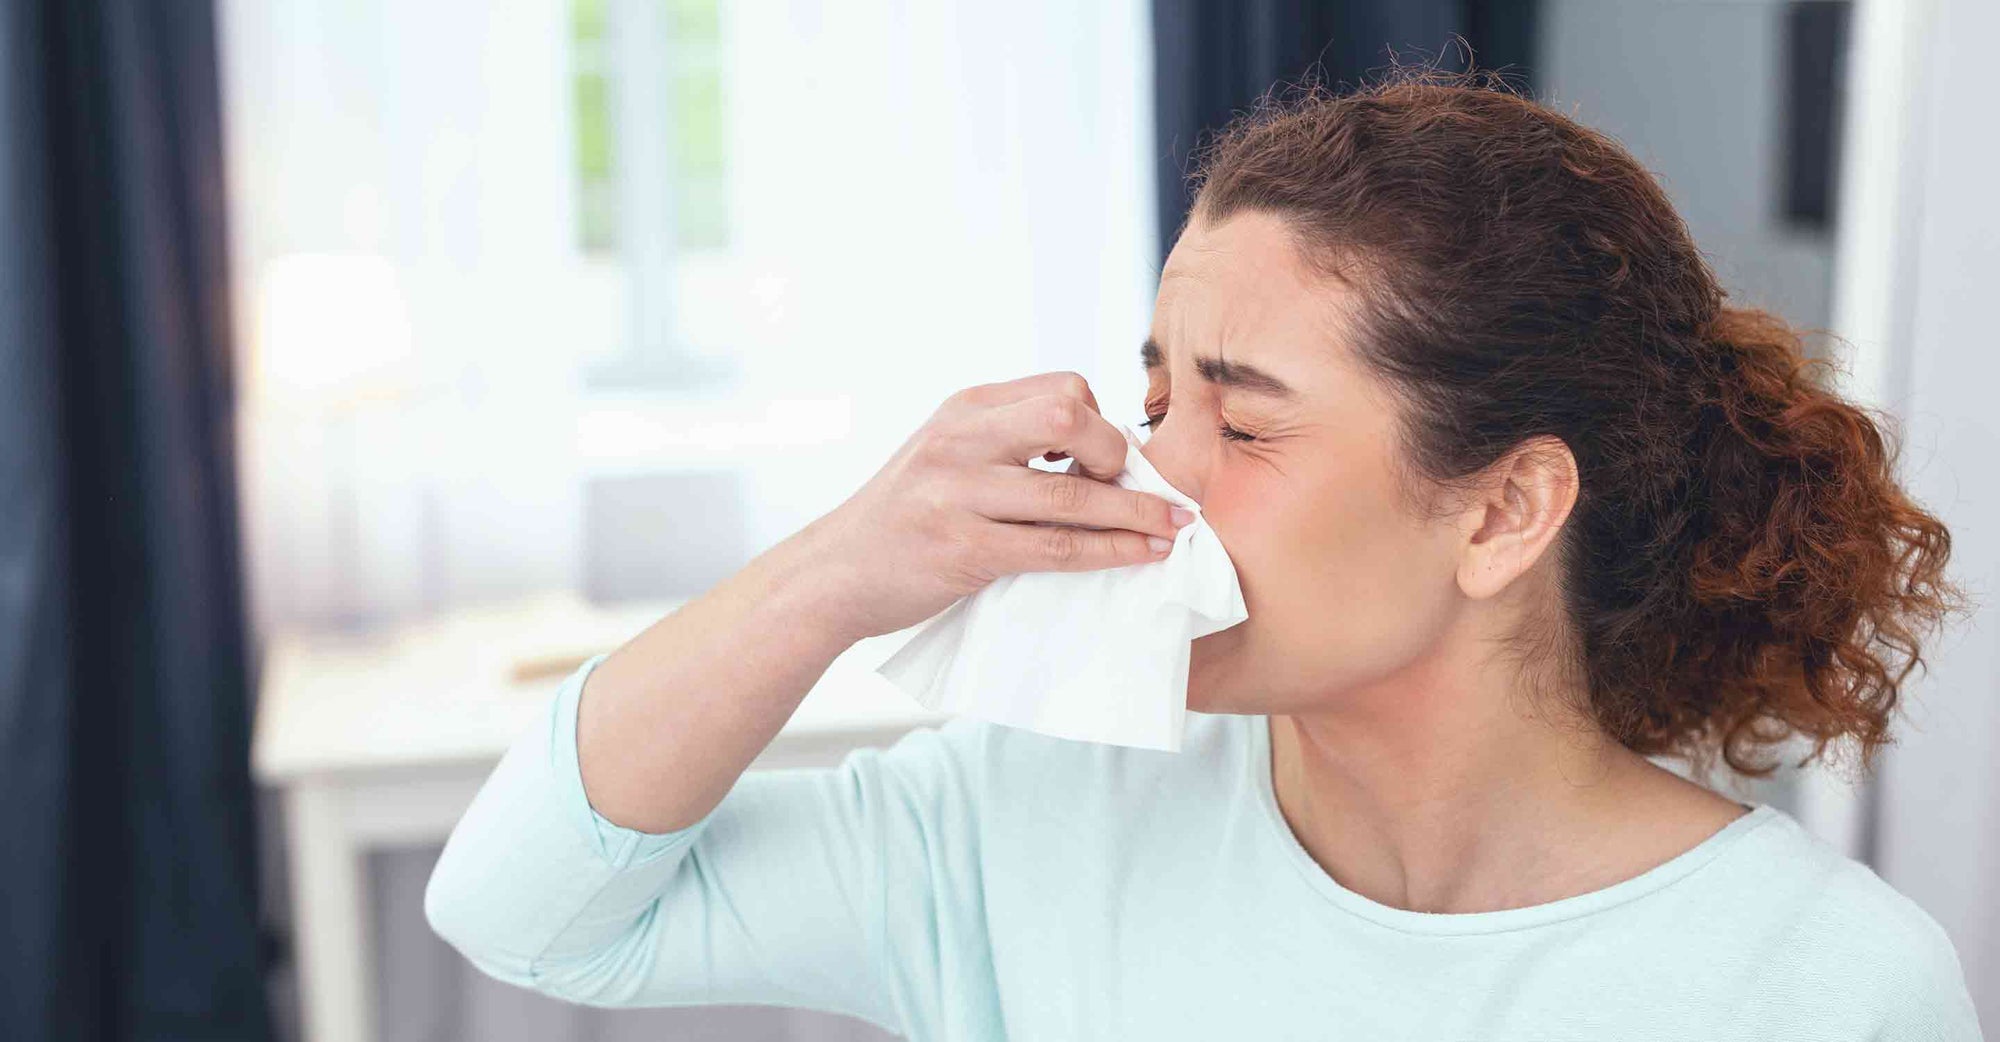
{"type": "Point", "coordinates": [1247, 513]}
{"type": "Point", "coordinates": [1222, 505]}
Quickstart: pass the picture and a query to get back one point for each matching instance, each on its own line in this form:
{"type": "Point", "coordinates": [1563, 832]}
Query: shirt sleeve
{"type": "Point", "coordinates": [854, 889]}
{"type": "Point", "coordinates": [1932, 1002]}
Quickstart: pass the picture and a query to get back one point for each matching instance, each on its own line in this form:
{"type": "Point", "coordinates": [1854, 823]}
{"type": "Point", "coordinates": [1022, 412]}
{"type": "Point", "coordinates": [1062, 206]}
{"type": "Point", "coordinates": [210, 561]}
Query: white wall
{"type": "Point", "coordinates": [1938, 358]}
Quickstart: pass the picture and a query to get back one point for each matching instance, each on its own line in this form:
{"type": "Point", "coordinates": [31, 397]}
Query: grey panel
{"type": "Point", "coordinates": [671, 534]}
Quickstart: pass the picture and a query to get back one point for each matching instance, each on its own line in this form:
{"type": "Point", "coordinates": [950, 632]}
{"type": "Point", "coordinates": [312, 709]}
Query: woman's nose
{"type": "Point", "coordinates": [1175, 462]}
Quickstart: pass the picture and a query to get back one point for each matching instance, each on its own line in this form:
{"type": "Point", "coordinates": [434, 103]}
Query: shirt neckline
{"type": "Point", "coordinates": [1456, 923]}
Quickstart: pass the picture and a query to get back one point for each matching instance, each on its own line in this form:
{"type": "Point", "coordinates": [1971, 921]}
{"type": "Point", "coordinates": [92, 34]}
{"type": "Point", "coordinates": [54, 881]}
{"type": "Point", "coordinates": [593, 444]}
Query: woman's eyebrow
{"type": "Point", "coordinates": [1240, 375]}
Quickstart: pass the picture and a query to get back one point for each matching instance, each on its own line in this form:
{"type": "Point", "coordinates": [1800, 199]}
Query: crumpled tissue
{"type": "Point", "coordinates": [1096, 656]}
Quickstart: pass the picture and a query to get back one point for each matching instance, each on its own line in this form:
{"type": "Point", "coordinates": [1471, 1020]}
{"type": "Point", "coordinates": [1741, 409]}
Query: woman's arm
{"type": "Point", "coordinates": [851, 889]}
{"type": "Point", "coordinates": [670, 719]}
{"type": "Point", "coordinates": [619, 854]}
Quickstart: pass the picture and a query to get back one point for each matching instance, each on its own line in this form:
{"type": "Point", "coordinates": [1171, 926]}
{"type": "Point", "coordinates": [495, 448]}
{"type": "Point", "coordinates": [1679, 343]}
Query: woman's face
{"type": "Point", "coordinates": [1344, 585]}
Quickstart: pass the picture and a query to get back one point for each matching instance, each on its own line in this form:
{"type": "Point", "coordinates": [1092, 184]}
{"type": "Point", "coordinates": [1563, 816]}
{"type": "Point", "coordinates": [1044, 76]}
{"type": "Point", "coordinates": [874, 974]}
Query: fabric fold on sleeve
{"type": "Point", "coordinates": [618, 845]}
{"type": "Point", "coordinates": [522, 880]}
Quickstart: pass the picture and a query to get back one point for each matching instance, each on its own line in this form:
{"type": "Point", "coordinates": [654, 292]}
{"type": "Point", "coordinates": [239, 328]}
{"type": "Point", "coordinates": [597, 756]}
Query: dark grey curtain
{"type": "Point", "coordinates": [127, 901]}
{"type": "Point", "coordinates": [1214, 57]}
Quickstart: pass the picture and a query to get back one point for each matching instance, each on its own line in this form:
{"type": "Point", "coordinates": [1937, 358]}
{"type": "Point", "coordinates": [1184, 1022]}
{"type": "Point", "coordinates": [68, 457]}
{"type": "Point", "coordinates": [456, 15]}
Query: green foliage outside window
{"type": "Point", "coordinates": [693, 56]}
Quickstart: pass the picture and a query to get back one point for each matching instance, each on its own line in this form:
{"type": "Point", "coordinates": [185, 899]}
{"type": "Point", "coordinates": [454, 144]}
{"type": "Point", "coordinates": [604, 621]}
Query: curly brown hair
{"type": "Point", "coordinates": [1741, 565]}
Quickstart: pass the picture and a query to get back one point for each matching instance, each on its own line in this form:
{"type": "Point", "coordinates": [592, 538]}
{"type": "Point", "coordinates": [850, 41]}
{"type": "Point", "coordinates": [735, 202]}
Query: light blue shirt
{"type": "Point", "coordinates": [979, 882]}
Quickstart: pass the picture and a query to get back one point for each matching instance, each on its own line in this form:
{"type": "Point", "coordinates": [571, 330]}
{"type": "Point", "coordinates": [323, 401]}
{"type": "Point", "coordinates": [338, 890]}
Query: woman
{"type": "Point", "coordinates": [1517, 503]}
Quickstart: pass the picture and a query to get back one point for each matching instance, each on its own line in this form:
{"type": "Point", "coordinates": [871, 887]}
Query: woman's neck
{"type": "Point", "coordinates": [1438, 794]}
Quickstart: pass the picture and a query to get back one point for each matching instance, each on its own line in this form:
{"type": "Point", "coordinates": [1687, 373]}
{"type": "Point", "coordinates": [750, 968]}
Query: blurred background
{"type": "Point", "coordinates": [367, 364]}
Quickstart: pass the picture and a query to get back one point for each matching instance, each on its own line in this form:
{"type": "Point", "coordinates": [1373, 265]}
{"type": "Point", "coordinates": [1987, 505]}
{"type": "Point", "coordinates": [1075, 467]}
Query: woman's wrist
{"type": "Point", "coordinates": [811, 591]}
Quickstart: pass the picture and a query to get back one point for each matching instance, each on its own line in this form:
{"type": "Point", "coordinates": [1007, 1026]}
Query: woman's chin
{"type": "Point", "coordinates": [1211, 662]}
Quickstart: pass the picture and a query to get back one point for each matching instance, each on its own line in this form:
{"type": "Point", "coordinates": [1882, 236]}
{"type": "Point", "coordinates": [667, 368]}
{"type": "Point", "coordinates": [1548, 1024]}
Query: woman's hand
{"type": "Point", "coordinates": [670, 720]}
{"type": "Point", "coordinates": [955, 508]}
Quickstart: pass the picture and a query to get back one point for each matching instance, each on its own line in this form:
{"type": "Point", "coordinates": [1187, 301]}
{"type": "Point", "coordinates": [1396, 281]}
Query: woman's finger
{"type": "Point", "coordinates": [1063, 382]}
{"type": "Point", "coordinates": [1025, 494]}
{"type": "Point", "coordinates": [1021, 430]}
{"type": "Point", "coordinates": [1014, 548]}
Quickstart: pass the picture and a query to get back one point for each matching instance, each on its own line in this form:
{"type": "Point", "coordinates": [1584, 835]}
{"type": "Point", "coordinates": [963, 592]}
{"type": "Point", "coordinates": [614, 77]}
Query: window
{"type": "Point", "coordinates": [680, 47]}
{"type": "Point", "coordinates": [519, 320]}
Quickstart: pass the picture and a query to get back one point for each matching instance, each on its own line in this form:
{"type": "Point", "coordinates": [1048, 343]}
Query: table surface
{"type": "Point", "coordinates": [453, 689]}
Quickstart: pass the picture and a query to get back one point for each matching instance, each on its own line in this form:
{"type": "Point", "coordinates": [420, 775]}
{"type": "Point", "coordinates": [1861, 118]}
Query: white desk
{"type": "Point", "coordinates": [383, 740]}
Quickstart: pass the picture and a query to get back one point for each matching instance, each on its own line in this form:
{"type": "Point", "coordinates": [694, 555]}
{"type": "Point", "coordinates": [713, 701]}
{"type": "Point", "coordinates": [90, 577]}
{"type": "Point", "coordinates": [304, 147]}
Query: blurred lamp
{"type": "Point", "coordinates": [331, 327]}
{"type": "Point", "coordinates": [333, 350]}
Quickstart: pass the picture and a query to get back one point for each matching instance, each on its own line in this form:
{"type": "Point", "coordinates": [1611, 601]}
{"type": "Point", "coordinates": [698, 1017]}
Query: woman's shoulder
{"type": "Point", "coordinates": [1849, 930]}
{"type": "Point", "coordinates": [1839, 893]}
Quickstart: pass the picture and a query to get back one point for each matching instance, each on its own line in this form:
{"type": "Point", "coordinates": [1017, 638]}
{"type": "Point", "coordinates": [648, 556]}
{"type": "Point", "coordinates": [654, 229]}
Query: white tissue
{"type": "Point", "coordinates": [1097, 656]}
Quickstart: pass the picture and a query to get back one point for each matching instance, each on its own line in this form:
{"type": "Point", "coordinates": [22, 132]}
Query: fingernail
{"type": "Point", "coordinates": [1159, 545]}
{"type": "Point", "coordinates": [1181, 515]}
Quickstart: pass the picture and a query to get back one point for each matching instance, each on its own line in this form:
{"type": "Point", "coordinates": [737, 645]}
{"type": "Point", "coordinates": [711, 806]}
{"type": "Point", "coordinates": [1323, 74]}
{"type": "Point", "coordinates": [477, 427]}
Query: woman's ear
{"type": "Point", "coordinates": [1517, 515]}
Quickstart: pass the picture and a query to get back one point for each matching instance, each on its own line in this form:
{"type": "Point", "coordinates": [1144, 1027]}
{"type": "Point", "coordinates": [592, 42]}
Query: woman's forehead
{"type": "Point", "coordinates": [1241, 291]}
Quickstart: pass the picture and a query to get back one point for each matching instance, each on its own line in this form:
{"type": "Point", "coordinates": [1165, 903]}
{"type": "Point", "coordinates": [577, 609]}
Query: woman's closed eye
{"type": "Point", "coordinates": [1223, 429]}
